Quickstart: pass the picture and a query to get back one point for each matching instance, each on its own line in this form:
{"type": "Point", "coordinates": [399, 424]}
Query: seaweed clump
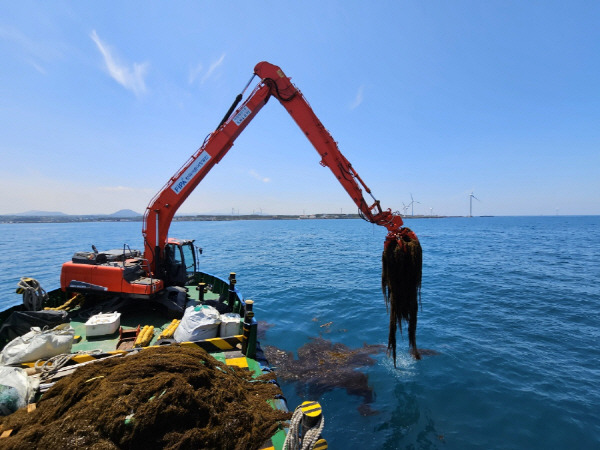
{"type": "Point", "coordinates": [402, 263]}
{"type": "Point", "coordinates": [165, 397]}
{"type": "Point", "coordinates": [323, 366]}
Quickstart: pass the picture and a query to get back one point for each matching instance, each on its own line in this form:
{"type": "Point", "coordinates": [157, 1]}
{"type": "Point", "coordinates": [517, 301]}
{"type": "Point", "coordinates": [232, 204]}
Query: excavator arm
{"type": "Point", "coordinates": [274, 82]}
{"type": "Point", "coordinates": [296, 105]}
{"type": "Point", "coordinates": [402, 260]}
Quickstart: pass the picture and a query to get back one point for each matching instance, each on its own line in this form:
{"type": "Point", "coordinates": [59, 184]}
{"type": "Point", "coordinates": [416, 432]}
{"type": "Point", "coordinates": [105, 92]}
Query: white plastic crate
{"type": "Point", "coordinates": [103, 324]}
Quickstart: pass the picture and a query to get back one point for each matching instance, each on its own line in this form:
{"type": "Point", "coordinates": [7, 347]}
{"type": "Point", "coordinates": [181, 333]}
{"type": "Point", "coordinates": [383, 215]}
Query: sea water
{"type": "Point", "coordinates": [510, 304]}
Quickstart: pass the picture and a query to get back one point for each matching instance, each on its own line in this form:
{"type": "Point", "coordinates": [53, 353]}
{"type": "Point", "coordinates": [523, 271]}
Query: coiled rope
{"type": "Point", "coordinates": [311, 436]}
{"type": "Point", "coordinates": [51, 366]}
{"type": "Point", "coordinates": [33, 294]}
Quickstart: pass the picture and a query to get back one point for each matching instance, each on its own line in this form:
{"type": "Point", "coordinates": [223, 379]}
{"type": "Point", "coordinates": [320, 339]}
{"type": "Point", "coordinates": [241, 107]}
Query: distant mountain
{"type": "Point", "coordinates": [41, 213]}
{"type": "Point", "coordinates": [124, 213]}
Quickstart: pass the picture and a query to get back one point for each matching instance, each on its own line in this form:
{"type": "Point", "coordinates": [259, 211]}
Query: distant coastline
{"type": "Point", "coordinates": [65, 218]}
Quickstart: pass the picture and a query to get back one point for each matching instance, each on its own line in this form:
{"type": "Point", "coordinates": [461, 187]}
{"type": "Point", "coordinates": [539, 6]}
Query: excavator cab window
{"type": "Point", "coordinates": [189, 259]}
{"type": "Point", "coordinates": [180, 263]}
{"type": "Point", "coordinates": [175, 271]}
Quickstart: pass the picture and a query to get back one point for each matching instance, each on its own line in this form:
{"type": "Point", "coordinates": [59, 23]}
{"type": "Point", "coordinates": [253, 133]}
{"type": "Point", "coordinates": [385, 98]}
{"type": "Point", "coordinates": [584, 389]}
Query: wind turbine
{"type": "Point", "coordinates": [412, 205]}
{"type": "Point", "coordinates": [471, 197]}
{"type": "Point", "coordinates": [404, 208]}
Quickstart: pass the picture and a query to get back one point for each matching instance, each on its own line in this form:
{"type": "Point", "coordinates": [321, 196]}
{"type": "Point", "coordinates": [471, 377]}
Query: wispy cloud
{"type": "Point", "coordinates": [254, 174]}
{"type": "Point", "coordinates": [130, 77]}
{"type": "Point", "coordinates": [194, 73]}
{"type": "Point", "coordinates": [31, 51]}
{"type": "Point", "coordinates": [37, 67]}
{"type": "Point", "coordinates": [116, 188]}
{"type": "Point", "coordinates": [359, 98]}
{"type": "Point", "coordinates": [213, 67]}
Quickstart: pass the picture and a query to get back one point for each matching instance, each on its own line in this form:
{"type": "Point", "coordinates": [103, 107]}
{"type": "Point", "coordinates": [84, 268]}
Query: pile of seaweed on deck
{"type": "Point", "coordinates": [165, 397]}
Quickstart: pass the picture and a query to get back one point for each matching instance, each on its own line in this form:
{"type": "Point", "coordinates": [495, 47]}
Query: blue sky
{"type": "Point", "coordinates": [102, 102]}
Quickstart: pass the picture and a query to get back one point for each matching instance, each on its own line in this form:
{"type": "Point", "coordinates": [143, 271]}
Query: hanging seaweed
{"type": "Point", "coordinates": [401, 285]}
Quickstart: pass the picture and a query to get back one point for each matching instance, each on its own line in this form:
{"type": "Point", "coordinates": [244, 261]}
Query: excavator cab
{"type": "Point", "coordinates": [180, 263]}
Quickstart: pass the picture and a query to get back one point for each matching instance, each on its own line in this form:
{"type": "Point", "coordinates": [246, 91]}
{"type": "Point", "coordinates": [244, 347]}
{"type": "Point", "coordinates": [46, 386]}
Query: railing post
{"type": "Point", "coordinates": [232, 282]}
{"type": "Point", "coordinates": [246, 335]}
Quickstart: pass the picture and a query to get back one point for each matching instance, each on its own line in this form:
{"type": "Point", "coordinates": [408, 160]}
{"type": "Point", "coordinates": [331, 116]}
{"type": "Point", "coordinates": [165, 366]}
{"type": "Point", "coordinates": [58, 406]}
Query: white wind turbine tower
{"type": "Point", "coordinates": [404, 208]}
{"type": "Point", "coordinates": [412, 205]}
{"type": "Point", "coordinates": [471, 197]}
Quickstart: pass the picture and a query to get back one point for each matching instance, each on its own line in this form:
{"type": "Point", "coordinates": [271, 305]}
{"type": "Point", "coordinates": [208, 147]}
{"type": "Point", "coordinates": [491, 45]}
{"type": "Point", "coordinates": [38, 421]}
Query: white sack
{"type": "Point", "coordinates": [38, 344]}
{"type": "Point", "coordinates": [198, 323]}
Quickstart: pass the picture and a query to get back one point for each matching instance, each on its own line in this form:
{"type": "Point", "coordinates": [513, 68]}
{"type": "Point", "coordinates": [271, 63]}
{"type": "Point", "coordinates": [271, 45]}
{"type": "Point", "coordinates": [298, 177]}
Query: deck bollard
{"type": "Point", "coordinates": [321, 444]}
{"type": "Point", "coordinates": [251, 348]}
{"type": "Point", "coordinates": [248, 307]}
{"type": "Point", "coordinates": [231, 289]}
{"type": "Point", "coordinates": [312, 415]}
{"type": "Point", "coordinates": [201, 289]}
{"type": "Point", "coordinates": [231, 299]}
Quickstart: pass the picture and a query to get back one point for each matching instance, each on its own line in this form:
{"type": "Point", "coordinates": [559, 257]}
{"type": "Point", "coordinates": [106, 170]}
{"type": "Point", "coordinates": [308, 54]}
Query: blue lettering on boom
{"type": "Point", "coordinates": [190, 172]}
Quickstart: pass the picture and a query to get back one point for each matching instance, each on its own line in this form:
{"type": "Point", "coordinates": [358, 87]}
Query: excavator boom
{"type": "Point", "coordinates": [273, 82]}
{"type": "Point", "coordinates": [162, 208]}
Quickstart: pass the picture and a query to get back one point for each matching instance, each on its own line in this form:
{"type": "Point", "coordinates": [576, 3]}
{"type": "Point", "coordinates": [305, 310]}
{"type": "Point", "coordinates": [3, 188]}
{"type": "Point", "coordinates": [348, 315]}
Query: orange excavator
{"type": "Point", "coordinates": [166, 261]}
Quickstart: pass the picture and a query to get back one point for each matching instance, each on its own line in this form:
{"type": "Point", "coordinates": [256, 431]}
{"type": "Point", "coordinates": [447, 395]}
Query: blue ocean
{"type": "Point", "coordinates": [510, 312]}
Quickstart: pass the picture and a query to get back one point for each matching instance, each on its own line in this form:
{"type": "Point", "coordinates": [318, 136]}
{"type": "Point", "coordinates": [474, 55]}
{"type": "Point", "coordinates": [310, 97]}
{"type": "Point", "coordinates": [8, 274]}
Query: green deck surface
{"type": "Point", "coordinates": [130, 321]}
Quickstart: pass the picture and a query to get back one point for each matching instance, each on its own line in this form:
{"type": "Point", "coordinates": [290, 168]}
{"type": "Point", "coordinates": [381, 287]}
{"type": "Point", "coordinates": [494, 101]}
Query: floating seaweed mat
{"type": "Point", "coordinates": [401, 284]}
{"type": "Point", "coordinates": [323, 366]}
{"type": "Point", "coordinates": [165, 397]}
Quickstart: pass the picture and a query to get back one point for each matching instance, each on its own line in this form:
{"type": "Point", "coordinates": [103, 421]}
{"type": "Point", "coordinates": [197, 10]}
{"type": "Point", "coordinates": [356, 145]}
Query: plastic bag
{"type": "Point", "coordinates": [38, 344]}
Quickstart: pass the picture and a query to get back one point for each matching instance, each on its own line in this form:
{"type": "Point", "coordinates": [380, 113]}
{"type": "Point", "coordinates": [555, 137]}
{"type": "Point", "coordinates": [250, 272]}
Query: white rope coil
{"type": "Point", "coordinates": [52, 365]}
{"type": "Point", "coordinates": [311, 436]}
{"type": "Point", "coordinates": [292, 440]}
